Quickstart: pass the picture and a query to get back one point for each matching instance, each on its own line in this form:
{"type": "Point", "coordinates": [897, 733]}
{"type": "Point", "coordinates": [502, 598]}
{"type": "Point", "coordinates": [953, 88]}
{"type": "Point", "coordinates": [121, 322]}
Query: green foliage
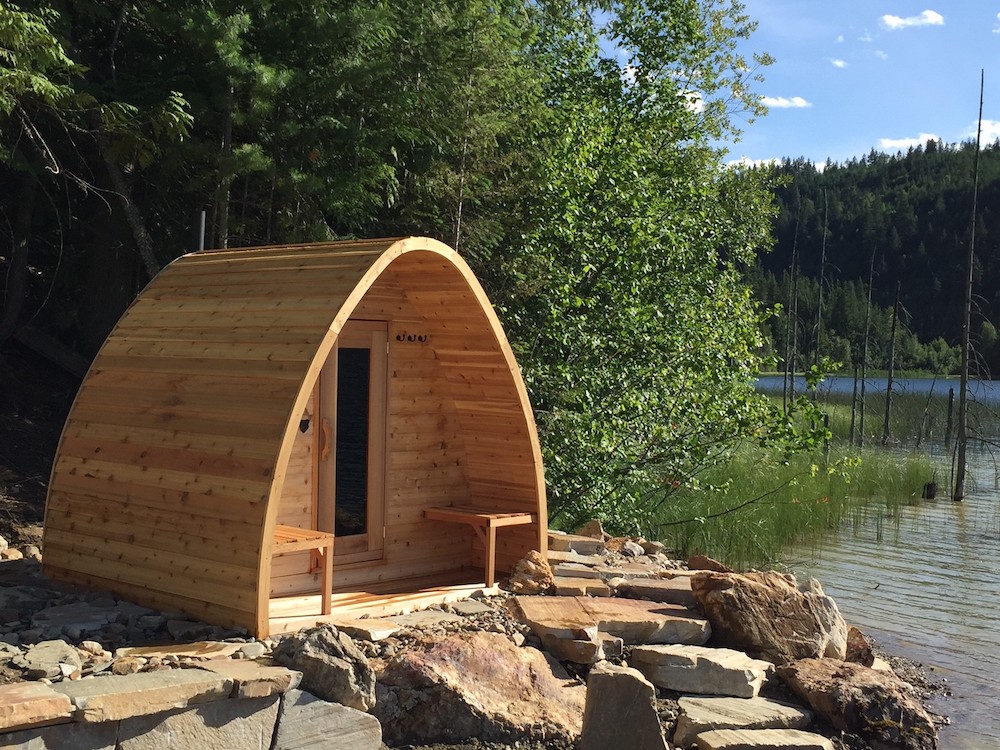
{"type": "Point", "coordinates": [34, 67]}
{"type": "Point", "coordinates": [566, 148]}
{"type": "Point", "coordinates": [912, 211]}
{"type": "Point", "coordinates": [751, 509]}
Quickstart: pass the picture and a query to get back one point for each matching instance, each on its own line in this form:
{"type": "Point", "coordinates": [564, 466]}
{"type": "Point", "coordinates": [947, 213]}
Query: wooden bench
{"type": "Point", "coordinates": [484, 523]}
{"type": "Point", "coordinates": [292, 539]}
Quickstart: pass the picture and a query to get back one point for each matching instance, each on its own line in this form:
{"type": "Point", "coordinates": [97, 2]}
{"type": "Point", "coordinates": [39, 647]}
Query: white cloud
{"type": "Point", "coordinates": [881, 55]}
{"type": "Point", "coordinates": [840, 39]}
{"type": "Point", "coordinates": [898, 144]}
{"type": "Point", "coordinates": [781, 102]}
{"type": "Point", "coordinates": [694, 102]}
{"type": "Point", "coordinates": [991, 131]}
{"type": "Point", "coordinates": [838, 63]}
{"type": "Point", "coordinates": [996, 29]}
{"type": "Point", "coordinates": [866, 37]}
{"type": "Point", "coordinates": [927, 18]}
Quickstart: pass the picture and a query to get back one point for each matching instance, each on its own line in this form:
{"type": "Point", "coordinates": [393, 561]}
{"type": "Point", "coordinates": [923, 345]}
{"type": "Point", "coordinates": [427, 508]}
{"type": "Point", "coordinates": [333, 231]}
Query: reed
{"type": "Point", "coordinates": [747, 511]}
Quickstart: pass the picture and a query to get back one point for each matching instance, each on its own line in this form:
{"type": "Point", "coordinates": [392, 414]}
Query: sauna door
{"type": "Point", "coordinates": [351, 486]}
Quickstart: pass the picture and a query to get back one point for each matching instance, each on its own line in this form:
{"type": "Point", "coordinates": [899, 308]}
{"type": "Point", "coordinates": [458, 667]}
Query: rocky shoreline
{"type": "Point", "coordinates": [698, 650]}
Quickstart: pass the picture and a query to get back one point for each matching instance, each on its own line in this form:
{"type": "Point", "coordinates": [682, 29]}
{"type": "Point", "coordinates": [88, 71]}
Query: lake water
{"type": "Point", "coordinates": [925, 582]}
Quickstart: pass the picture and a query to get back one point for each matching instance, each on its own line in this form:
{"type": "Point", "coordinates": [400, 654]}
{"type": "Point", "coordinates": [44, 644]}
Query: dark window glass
{"type": "Point", "coordinates": [353, 378]}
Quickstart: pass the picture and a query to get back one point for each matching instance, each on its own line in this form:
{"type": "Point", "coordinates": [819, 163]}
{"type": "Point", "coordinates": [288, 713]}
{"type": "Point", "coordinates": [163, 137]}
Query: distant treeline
{"type": "Point", "coordinates": [912, 212]}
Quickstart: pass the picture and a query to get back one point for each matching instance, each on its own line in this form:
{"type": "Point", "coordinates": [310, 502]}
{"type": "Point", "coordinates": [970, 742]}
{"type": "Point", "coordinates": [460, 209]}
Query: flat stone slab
{"type": "Point", "coordinates": [555, 558]}
{"type": "Point", "coordinates": [761, 739]}
{"type": "Point", "coordinates": [254, 680]}
{"type": "Point", "coordinates": [32, 704]}
{"type": "Point", "coordinates": [426, 618]}
{"type": "Point", "coordinates": [370, 629]}
{"type": "Point", "coordinates": [628, 571]}
{"type": "Point", "coordinates": [635, 622]}
{"type": "Point", "coordinates": [198, 649]}
{"type": "Point", "coordinates": [223, 725]}
{"type": "Point", "coordinates": [72, 736]}
{"type": "Point", "coordinates": [108, 698]}
{"type": "Point", "coordinates": [575, 570]}
{"type": "Point", "coordinates": [701, 670]}
{"type": "Point", "coordinates": [470, 608]}
{"type": "Point", "coordinates": [585, 545]}
{"type": "Point", "coordinates": [580, 586]}
{"type": "Point", "coordinates": [666, 590]}
{"type": "Point", "coordinates": [699, 715]}
{"type": "Point", "coordinates": [307, 723]}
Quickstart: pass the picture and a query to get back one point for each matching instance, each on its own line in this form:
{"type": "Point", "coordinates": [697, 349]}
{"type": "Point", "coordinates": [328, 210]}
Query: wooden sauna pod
{"type": "Point", "coordinates": [254, 406]}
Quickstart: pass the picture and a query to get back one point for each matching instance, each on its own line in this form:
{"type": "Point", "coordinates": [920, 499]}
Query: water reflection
{"type": "Point", "coordinates": [925, 585]}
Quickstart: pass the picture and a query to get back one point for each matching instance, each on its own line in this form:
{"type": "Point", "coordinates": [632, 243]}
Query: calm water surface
{"type": "Point", "coordinates": [925, 584]}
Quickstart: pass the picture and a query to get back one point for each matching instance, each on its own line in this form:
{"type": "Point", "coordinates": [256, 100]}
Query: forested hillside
{"type": "Point", "coordinates": [582, 185]}
{"type": "Point", "coordinates": [907, 219]}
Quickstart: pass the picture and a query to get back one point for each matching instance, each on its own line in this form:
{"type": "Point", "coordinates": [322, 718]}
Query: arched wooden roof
{"type": "Point", "coordinates": [166, 482]}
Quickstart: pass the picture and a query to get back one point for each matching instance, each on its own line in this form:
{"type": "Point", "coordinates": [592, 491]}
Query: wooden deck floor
{"type": "Point", "coordinates": [291, 613]}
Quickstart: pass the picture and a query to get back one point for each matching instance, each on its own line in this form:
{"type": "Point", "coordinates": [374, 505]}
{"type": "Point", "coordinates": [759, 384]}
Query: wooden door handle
{"type": "Point", "coordinates": [324, 452]}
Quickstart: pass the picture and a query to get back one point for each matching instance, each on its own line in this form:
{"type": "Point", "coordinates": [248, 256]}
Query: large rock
{"type": "Point", "coordinates": [476, 685]}
{"type": "Point", "coordinates": [307, 723]}
{"type": "Point", "coordinates": [223, 725]}
{"type": "Point", "coordinates": [701, 670]}
{"type": "Point", "coordinates": [621, 711]}
{"type": "Point", "coordinates": [862, 701]}
{"type": "Point", "coordinates": [332, 666]}
{"type": "Point", "coordinates": [767, 615]}
{"type": "Point", "coordinates": [697, 715]}
{"type": "Point", "coordinates": [762, 739]}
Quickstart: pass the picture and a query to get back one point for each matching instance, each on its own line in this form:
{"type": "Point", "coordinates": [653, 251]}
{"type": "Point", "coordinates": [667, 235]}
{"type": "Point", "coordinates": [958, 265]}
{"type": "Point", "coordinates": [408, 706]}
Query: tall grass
{"type": "Point", "coordinates": [746, 511]}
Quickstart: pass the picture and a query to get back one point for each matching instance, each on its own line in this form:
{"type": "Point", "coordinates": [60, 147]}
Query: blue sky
{"type": "Point", "coordinates": [853, 75]}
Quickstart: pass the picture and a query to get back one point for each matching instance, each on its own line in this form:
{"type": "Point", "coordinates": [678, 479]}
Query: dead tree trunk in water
{"type": "Point", "coordinates": [864, 354]}
{"type": "Point", "coordinates": [791, 328]}
{"type": "Point", "coordinates": [963, 424]}
{"type": "Point", "coordinates": [886, 429]}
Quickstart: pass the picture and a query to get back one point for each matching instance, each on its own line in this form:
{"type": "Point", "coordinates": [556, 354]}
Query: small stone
{"type": "Point", "coordinates": [4, 544]}
{"type": "Point", "coordinates": [631, 549]}
{"type": "Point", "coordinates": [44, 659]}
{"type": "Point", "coordinates": [653, 548]}
{"type": "Point", "coordinates": [703, 562]}
{"type": "Point", "coordinates": [530, 575]}
{"type": "Point", "coordinates": [128, 665]}
{"type": "Point", "coordinates": [151, 622]}
{"type": "Point", "coordinates": [91, 647]}
{"type": "Point", "coordinates": [253, 650]}
{"type": "Point", "coordinates": [594, 529]}
{"type": "Point", "coordinates": [575, 570]}
{"type": "Point", "coordinates": [518, 639]}
{"type": "Point", "coordinates": [11, 554]}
